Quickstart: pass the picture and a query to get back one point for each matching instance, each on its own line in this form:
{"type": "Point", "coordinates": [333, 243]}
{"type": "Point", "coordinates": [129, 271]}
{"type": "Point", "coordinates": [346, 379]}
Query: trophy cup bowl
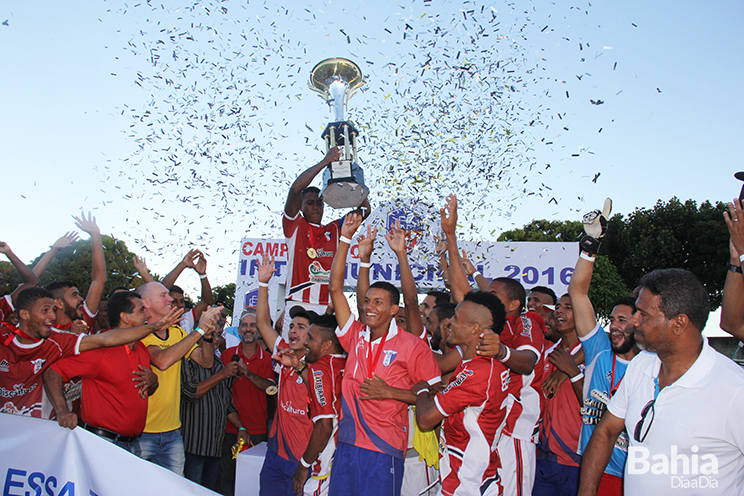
{"type": "Point", "coordinates": [336, 80]}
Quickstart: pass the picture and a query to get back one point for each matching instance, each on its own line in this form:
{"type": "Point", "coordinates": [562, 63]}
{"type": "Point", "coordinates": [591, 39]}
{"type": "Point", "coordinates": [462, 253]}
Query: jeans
{"type": "Point", "coordinates": [164, 449]}
{"type": "Point", "coordinates": [202, 470]}
{"type": "Point", "coordinates": [132, 447]}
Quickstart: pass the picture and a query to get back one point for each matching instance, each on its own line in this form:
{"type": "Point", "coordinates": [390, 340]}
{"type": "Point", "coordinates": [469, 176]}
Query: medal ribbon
{"type": "Point", "coordinates": [371, 366]}
{"type": "Point", "coordinates": [312, 234]}
{"type": "Point", "coordinates": [613, 387]}
{"type": "Point", "coordinates": [17, 332]}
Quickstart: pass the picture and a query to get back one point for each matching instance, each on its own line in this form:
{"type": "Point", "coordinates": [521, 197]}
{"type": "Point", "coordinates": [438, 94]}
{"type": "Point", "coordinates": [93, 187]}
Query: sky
{"type": "Point", "coordinates": [183, 124]}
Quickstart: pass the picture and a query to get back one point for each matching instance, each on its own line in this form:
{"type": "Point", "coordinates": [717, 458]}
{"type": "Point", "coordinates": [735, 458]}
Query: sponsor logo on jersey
{"type": "Point", "coordinates": [4, 366]}
{"type": "Point", "coordinates": [287, 407]}
{"type": "Point", "coordinates": [389, 357]}
{"type": "Point", "coordinates": [18, 390]}
{"type": "Point", "coordinates": [526, 327]}
{"type": "Point", "coordinates": [459, 379]}
{"type": "Point", "coordinates": [325, 254]}
{"type": "Point", "coordinates": [318, 274]}
{"type": "Point", "coordinates": [38, 364]}
{"type": "Point", "coordinates": [318, 383]}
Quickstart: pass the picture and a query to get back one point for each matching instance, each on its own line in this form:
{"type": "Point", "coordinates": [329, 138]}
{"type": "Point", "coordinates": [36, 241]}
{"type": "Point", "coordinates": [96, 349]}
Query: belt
{"type": "Point", "coordinates": [107, 433]}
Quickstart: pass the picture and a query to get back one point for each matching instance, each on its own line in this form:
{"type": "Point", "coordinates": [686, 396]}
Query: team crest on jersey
{"type": "Point", "coordinates": [4, 366]}
{"type": "Point", "coordinates": [526, 327]}
{"type": "Point", "coordinates": [327, 235]}
{"type": "Point", "coordinates": [38, 364]}
{"type": "Point", "coordinates": [389, 357]}
{"type": "Point", "coordinates": [318, 274]}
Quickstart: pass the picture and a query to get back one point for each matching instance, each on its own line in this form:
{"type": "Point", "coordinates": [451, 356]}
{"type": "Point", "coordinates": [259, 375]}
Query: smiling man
{"type": "Point", "coordinates": [26, 351]}
{"type": "Point", "coordinates": [679, 401]}
{"type": "Point", "coordinates": [373, 434]}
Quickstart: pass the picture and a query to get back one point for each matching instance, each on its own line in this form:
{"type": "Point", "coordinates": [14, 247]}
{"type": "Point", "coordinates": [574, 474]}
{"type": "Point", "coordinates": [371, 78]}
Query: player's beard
{"type": "Point", "coordinates": [71, 311]}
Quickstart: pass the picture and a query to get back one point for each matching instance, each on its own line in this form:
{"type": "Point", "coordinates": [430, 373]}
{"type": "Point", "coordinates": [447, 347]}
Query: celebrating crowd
{"type": "Point", "coordinates": [486, 390]}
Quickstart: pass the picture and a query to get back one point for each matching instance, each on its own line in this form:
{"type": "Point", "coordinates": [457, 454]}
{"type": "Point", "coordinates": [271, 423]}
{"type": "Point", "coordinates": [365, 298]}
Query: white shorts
{"type": "Point", "coordinates": [518, 458]}
{"type": "Point", "coordinates": [317, 487]}
{"type": "Point", "coordinates": [417, 477]}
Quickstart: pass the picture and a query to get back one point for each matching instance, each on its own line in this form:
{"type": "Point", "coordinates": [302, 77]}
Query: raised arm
{"type": "Point", "coordinates": [396, 238]}
{"type": "Point", "coordinates": [62, 243]}
{"type": "Point", "coordinates": [118, 337]}
{"type": "Point", "coordinates": [263, 318]}
{"type": "Point", "coordinates": [366, 245]}
{"type": "Point", "coordinates": [470, 269]}
{"type": "Point", "coordinates": [206, 299]}
{"type": "Point", "coordinates": [188, 261]}
{"type": "Point", "coordinates": [294, 199]}
{"type": "Point", "coordinates": [732, 307]}
{"type": "Point", "coordinates": [98, 274]}
{"type": "Point", "coordinates": [440, 243]}
{"type": "Point", "coordinates": [27, 275]}
{"type": "Point", "coordinates": [141, 265]}
{"type": "Point", "coordinates": [164, 358]}
{"type": "Point", "coordinates": [338, 269]}
{"type": "Point", "coordinates": [458, 279]}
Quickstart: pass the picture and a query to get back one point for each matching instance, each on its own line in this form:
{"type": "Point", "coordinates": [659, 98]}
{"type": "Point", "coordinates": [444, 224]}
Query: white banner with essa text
{"type": "Point", "coordinates": [40, 457]}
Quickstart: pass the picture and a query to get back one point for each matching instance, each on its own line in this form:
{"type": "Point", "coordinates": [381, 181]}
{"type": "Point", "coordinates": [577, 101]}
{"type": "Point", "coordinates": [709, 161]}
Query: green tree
{"type": "Point", "coordinates": [672, 234]}
{"type": "Point", "coordinates": [9, 278]}
{"type": "Point", "coordinates": [229, 297]}
{"type": "Point", "coordinates": [545, 230]}
{"type": "Point", "coordinates": [75, 264]}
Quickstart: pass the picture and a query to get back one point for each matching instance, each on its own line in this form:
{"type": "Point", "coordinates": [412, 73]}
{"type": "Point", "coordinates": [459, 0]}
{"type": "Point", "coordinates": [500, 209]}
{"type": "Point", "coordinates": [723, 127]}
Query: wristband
{"type": "Point", "coordinates": [741, 258]}
{"type": "Point", "coordinates": [263, 284]}
{"type": "Point", "coordinates": [459, 349]}
{"type": "Point", "coordinates": [589, 245]}
{"type": "Point", "coordinates": [422, 390]}
{"type": "Point", "coordinates": [199, 330]}
{"type": "Point", "coordinates": [476, 274]}
{"type": "Point", "coordinates": [304, 463]}
{"type": "Point", "coordinates": [734, 268]}
{"type": "Point", "coordinates": [203, 276]}
{"type": "Point", "coordinates": [577, 377]}
{"type": "Point", "coordinates": [365, 265]}
{"type": "Point", "coordinates": [506, 356]}
{"type": "Point", "coordinates": [586, 257]}
{"type": "Point", "coordinates": [242, 429]}
{"type": "Point", "coordinates": [344, 239]}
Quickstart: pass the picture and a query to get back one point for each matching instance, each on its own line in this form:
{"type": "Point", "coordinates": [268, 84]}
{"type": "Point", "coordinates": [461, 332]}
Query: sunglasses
{"type": "Point", "coordinates": [648, 412]}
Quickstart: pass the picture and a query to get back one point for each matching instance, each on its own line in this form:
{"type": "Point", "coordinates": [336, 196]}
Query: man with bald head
{"type": "Point", "coordinates": [161, 441]}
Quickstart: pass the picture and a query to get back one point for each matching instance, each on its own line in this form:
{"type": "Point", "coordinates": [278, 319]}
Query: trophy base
{"type": "Point", "coordinates": [344, 194]}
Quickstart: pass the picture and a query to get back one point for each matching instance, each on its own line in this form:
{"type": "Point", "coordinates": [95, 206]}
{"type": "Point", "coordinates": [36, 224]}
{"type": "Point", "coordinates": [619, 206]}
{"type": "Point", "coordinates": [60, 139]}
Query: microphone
{"type": "Point", "coordinates": [235, 358]}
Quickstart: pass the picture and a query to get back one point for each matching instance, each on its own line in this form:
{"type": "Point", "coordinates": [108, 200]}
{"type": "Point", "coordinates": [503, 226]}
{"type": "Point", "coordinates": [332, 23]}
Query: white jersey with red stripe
{"type": "Point", "coordinates": [524, 332]}
{"type": "Point", "coordinates": [474, 404]}
{"type": "Point", "coordinates": [308, 276]}
{"type": "Point", "coordinates": [325, 377]}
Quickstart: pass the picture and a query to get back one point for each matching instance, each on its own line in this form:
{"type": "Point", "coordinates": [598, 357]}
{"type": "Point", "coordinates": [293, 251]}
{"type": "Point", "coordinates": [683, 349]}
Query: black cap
{"type": "Point", "coordinates": [298, 311]}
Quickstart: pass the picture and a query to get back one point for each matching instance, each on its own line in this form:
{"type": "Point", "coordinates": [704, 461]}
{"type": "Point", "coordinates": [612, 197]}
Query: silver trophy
{"type": "Point", "coordinates": [336, 80]}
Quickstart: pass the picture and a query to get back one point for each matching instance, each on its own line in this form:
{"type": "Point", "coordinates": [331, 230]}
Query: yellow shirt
{"type": "Point", "coordinates": [164, 407]}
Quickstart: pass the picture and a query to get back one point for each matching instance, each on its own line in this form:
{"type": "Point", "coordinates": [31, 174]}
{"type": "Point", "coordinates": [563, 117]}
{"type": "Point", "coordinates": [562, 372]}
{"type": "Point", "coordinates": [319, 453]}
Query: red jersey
{"type": "Point", "coordinates": [524, 332]}
{"type": "Point", "coordinates": [561, 425]}
{"type": "Point", "coordinates": [325, 377]}
{"type": "Point", "coordinates": [381, 425]}
{"type": "Point", "coordinates": [474, 403]}
{"type": "Point", "coordinates": [110, 400]}
{"type": "Point", "coordinates": [21, 366]}
{"type": "Point", "coordinates": [6, 307]}
{"type": "Point", "coordinates": [307, 277]}
{"type": "Point", "coordinates": [291, 429]}
{"type": "Point", "coordinates": [248, 399]}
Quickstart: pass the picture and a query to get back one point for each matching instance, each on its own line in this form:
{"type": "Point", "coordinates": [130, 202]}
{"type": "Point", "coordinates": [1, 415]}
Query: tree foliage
{"type": "Point", "coordinates": [229, 297]}
{"type": "Point", "coordinates": [76, 262]}
{"type": "Point", "coordinates": [671, 234]}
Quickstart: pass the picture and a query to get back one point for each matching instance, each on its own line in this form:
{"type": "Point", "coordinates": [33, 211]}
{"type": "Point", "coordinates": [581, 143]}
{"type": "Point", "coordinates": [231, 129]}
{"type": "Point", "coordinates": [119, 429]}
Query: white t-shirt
{"type": "Point", "coordinates": [695, 441]}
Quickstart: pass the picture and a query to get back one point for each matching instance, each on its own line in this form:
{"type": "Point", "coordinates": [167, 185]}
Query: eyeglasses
{"type": "Point", "coordinates": [640, 433]}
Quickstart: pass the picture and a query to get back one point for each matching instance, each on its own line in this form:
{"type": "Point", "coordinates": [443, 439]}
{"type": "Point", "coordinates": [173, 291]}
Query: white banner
{"type": "Point", "coordinates": [40, 457]}
{"type": "Point", "coordinates": [532, 263]}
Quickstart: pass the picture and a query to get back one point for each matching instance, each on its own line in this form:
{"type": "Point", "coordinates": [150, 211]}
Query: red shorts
{"type": "Point", "coordinates": [610, 485]}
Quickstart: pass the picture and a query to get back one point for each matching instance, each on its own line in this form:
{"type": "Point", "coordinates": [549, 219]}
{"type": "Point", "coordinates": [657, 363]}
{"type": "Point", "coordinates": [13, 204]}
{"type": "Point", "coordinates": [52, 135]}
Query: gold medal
{"type": "Point", "coordinates": [312, 253]}
{"type": "Point", "coordinates": [272, 390]}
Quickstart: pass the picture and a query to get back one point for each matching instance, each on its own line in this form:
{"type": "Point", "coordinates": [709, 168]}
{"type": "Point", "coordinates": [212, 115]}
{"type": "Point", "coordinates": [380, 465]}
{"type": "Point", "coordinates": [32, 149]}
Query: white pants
{"type": "Point", "coordinates": [518, 458]}
{"type": "Point", "coordinates": [417, 476]}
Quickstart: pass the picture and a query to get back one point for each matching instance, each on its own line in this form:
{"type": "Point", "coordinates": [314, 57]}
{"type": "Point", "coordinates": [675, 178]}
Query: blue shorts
{"type": "Point", "coordinates": [276, 476]}
{"type": "Point", "coordinates": [554, 479]}
{"type": "Point", "coordinates": [361, 472]}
